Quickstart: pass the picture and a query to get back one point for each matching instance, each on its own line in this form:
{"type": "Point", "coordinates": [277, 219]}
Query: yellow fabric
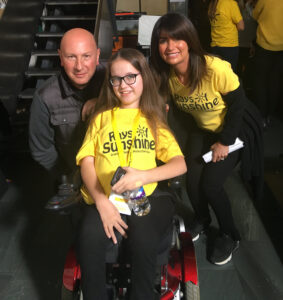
{"type": "Point", "coordinates": [269, 15]}
{"type": "Point", "coordinates": [124, 161]}
{"type": "Point", "coordinates": [100, 143]}
{"type": "Point", "coordinates": [206, 104]}
{"type": "Point", "coordinates": [224, 32]}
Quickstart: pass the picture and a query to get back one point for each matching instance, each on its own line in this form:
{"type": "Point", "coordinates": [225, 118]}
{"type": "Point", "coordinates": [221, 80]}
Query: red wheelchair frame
{"type": "Point", "coordinates": [178, 276]}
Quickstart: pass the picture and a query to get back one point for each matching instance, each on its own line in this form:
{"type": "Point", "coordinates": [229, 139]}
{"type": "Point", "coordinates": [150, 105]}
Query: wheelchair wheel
{"type": "Point", "coordinates": [70, 295]}
{"type": "Point", "coordinates": [191, 291]}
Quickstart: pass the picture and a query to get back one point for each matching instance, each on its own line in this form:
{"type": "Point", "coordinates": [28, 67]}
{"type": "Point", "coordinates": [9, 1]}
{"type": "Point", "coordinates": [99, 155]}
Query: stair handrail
{"type": "Point", "coordinates": [106, 22]}
{"type": "Point", "coordinates": [113, 19]}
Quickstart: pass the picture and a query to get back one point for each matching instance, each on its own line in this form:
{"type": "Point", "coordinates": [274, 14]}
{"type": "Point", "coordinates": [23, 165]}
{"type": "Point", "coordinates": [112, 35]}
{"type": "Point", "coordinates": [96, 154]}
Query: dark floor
{"type": "Point", "coordinates": [33, 241]}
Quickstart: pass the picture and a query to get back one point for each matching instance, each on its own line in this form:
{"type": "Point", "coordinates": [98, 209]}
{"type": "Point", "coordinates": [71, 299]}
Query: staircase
{"type": "Point", "coordinates": [17, 28]}
{"type": "Point", "coordinates": [30, 34]}
{"type": "Point", "coordinates": [57, 18]}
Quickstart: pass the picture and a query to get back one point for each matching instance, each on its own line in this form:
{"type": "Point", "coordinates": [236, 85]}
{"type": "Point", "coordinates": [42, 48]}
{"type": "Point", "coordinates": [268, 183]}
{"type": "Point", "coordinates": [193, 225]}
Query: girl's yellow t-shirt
{"type": "Point", "coordinates": [100, 143]}
{"type": "Point", "coordinates": [269, 16]}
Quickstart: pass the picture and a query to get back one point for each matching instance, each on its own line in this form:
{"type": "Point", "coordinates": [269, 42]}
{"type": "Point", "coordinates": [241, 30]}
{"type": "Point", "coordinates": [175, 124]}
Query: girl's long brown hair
{"type": "Point", "coordinates": [152, 105]}
{"type": "Point", "coordinates": [212, 9]}
{"type": "Point", "coordinates": [178, 27]}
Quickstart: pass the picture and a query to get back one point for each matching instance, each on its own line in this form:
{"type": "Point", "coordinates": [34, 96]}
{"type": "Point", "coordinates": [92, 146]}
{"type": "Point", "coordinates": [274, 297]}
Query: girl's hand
{"type": "Point", "coordinates": [131, 180]}
{"type": "Point", "coordinates": [219, 152]}
{"type": "Point", "coordinates": [111, 219]}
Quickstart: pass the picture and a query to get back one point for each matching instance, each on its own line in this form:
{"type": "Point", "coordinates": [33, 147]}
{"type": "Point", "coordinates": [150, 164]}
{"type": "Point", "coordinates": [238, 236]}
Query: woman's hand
{"type": "Point", "coordinates": [131, 180]}
{"type": "Point", "coordinates": [111, 219]}
{"type": "Point", "coordinates": [219, 152]}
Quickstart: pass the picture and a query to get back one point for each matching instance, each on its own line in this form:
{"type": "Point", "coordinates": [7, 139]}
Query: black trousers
{"type": "Point", "coordinates": [144, 234]}
{"type": "Point", "coordinates": [204, 180]}
{"type": "Point", "coordinates": [268, 71]}
{"type": "Point", "coordinates": [230, 54]}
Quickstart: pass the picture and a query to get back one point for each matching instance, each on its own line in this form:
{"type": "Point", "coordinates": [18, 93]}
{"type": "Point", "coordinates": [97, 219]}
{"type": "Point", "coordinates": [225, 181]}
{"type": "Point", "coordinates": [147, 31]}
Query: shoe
{"type": "Point", "coordinates": [196, 228]}
{"type": "Point", "coordinates": [224, 246]}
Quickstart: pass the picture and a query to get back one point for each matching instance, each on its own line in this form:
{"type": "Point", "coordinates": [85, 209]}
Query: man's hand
{"type": "Point", "coordinates": [219, 152]}
{"type": "Point", "coordinates": [88, 108]}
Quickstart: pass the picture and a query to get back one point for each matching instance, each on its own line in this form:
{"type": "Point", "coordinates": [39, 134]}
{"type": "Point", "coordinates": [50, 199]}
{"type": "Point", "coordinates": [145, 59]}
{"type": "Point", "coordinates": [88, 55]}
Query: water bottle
{"type": "Point", "coordinates": [139, 202]}
{"type": "Point", "coordinates": [137, 199]}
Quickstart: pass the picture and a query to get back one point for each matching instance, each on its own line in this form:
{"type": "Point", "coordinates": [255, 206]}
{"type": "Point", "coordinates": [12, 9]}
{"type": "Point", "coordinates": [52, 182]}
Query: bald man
{"type": "Point", "coordinates": [61, 105]}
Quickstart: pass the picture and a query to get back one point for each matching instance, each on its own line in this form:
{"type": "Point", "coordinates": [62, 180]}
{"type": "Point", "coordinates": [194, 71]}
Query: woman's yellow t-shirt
{"type": "Point", "coordinates": [206, 104]}
{"type": "Point", "coordinates": [269, 15]}
{"type": "Point", "coordinates": [100, 143]}
{"type": "Point", "coordinates": [224, 32]}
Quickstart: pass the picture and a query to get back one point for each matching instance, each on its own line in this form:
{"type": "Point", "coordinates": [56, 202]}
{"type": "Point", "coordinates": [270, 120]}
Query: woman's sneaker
{"type": "Point", "coordinates": [223, 248]}
{"type": "Point", "coordinates": [196, 228]}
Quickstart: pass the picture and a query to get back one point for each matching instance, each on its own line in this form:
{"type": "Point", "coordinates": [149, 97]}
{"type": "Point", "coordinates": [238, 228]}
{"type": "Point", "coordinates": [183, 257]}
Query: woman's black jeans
{"type": "Point", "coordinates": [204, 180]}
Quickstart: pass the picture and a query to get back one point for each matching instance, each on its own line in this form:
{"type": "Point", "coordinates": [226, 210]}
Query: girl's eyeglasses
{"type": "Point", "coordinates": [128, 79]}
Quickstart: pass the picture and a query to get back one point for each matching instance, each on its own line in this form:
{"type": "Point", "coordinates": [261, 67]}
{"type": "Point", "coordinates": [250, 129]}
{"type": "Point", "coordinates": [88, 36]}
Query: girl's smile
{"type": "Point", "coordinates": [129, 93]}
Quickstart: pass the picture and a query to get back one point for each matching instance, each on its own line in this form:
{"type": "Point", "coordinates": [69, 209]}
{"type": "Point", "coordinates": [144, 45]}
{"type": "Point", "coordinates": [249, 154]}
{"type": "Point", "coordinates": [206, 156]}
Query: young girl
{"type": "Point", "coordinates": [129, 107]}
{"type": "Point", "coordinates": [206, 88]}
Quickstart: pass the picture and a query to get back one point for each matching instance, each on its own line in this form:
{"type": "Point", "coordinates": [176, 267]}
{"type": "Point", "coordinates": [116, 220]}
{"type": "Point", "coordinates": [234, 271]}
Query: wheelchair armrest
{"type": "Point", "coordinates": [175, 183]}
{"type": "Point", "coordinates": [63, 202]}
{"type": "Point", "coordinates": [68, 194]}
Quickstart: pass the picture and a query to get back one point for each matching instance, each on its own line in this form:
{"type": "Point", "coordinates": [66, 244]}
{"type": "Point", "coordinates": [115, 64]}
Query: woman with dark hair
{"type": "Point", "coordinates": [129, 129]}
{"type": "Point", "coordinates": [206, 88]}
{"type": "Point", "coordinates": [225, 20]}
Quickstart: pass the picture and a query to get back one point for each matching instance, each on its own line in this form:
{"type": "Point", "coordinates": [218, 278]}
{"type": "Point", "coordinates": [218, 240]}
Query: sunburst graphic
{"type": "Point", "coordinates": [202, 97]}
{"type": "Point", "coordinates": [141, 131]}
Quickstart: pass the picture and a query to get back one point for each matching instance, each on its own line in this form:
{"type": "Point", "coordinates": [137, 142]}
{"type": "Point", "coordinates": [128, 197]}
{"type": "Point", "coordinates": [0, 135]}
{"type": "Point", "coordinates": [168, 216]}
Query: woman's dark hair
{"type": "Point", "coordinates": [178, 27]}
{"type": "Point", "coordinates": [152, 105]}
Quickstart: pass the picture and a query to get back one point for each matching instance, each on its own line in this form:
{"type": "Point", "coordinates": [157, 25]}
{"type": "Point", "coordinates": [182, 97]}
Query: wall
{"type": "Point", "coordinates": [156, 7]}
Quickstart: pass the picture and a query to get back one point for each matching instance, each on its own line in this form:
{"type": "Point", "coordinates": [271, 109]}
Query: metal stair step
{"type": "Point", "coordinates": [36, 72]}
{"type": "Point", "coordinates": [67, 18]}
{"type": "Point", "coordinates": [10, 54]}
{"type": "Point", "coordinates": [17, 26]}
{"type": "Point", "coordinates": [27, 93]}
{"type": "Point", "coordinates": [14, 35]}
{"type": "Point", "coordinates": [18, 19]}
{"type": "Point", "coordinates": [6, 92]}
{"type": "Point", "coordinates": [49, 34]}
{"type": "Point", "coordinates": [71, 2]}
{"type": "Point", "coordinates": [24, 3]}
{"type": "Point", "coordinates": [44, 53]}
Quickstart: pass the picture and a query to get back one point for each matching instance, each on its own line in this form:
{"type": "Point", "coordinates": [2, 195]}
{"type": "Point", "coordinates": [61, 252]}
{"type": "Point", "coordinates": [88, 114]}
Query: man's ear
{"type": "Point", "coordinates": [97, 56]}
{"type": "Point", "coordinates": [60, 56]}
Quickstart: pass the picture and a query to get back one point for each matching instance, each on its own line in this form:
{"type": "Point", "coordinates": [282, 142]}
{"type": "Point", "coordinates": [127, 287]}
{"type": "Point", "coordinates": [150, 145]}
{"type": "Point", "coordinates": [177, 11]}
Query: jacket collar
{"type": "Point", "coordinates": [90, 91]}
{"type": "Point", "coordinates": [67, 89]}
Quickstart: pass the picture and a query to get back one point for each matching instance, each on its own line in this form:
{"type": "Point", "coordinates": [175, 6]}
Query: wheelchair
{"type": "Point", "coordinates": [176, 271]}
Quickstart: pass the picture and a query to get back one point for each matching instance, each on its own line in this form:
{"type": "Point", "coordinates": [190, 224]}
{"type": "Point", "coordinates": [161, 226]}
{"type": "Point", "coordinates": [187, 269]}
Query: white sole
{"type": "Point", "coordinates": [195, 238]}
{"type": "Point", "coordinates": [229, 257]}
{"type": "Point", "coordinates": [224, 261]}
